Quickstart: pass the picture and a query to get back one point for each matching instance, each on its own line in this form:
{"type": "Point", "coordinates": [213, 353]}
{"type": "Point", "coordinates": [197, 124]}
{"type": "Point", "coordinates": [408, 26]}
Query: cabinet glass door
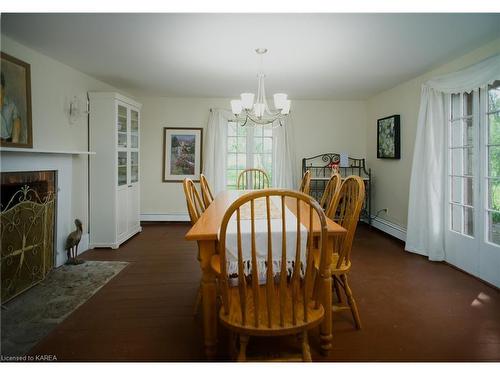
{"type": "Point", "coordinates": [134, 129]}
{"type": "Point", "coordinates": [122, 168]}
{"type": "Point", "coordinates": [122, 126]}
{"type": "Point", "coordinates": [134, 166]}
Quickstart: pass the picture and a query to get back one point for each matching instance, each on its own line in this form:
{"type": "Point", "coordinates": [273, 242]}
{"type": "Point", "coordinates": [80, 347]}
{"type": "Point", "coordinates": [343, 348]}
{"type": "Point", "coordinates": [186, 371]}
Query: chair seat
{"type": "Point", "coordinates": [344, 267]}
{"type": "Point", "coordinates": [234, 321]}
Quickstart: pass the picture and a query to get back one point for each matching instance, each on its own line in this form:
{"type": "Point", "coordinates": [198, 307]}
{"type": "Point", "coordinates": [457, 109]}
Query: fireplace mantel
{"type": "Point", "coordinates": [38, 151]}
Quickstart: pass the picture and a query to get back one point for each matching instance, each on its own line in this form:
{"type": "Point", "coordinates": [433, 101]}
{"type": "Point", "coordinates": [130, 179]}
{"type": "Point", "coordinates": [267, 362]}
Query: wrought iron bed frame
{"type": "Point", "coordinates": [320, 167]}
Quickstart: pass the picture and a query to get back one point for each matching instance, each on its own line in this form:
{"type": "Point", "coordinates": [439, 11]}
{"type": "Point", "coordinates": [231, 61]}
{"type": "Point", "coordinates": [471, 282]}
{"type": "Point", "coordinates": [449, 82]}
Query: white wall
{"type": "Point", "coordinates": [319, 126]}
{"type": "Point", "coordinates": [53, 84]}
{"type": "Point", "coordinates": [392, 177]}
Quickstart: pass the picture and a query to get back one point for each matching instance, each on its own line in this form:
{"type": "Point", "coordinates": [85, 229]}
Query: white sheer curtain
{"type": "Point", "coordinates": [427, 206]}
{"type": "Point", "coordinates": [284, 175]}
{"type": "Point", "coordinates": [215, 148]}
{"type": "Point", "coordinates": [215, 152]}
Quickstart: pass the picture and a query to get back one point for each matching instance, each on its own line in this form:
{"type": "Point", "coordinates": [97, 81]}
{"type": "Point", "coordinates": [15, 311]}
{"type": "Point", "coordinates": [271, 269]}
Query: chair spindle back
{"type": "Point", "coordinates": [206, 193]}
{"type": "Point", "coordinates": [285, 287]}
{"type": "Point", "coordinates": [253, 179]}
{"type": "Point", "coordinates": [332, 187]}
{"type": "Point", "coordinates": [345, 210]}
{"type": "Point", "coordinates": [194, 203]}
{"type": "Point", "coordinates": [305, 185]}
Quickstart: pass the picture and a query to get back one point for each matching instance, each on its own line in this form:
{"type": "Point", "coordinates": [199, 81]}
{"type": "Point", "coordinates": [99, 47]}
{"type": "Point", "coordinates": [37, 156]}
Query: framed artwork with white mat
{"type": "Point", "coordinates": [182, 154]}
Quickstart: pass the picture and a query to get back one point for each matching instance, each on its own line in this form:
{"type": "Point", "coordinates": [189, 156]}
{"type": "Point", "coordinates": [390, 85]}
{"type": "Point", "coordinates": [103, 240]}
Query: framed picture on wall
{"type": "Point", "coordinates": [15, 102]}
{"type": "Point", "coordinates": [182, 150]}
{"type": "Point", "coordinates": [388, 138]}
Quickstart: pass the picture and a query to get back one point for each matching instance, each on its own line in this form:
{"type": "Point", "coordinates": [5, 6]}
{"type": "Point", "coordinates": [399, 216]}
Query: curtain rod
{"type": "Point", "coordinates": [223, 109]}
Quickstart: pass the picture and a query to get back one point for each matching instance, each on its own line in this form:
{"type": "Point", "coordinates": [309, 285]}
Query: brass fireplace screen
{"type": "Point", "coordinates": [27, 240]}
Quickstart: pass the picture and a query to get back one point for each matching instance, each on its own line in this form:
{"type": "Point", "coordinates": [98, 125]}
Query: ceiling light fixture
{"type": "Point", "coordinates": [258, 112]}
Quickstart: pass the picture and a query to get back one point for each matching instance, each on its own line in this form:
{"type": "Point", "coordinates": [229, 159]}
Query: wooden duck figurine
{"type": "Point", "coordinates": [72, 243]}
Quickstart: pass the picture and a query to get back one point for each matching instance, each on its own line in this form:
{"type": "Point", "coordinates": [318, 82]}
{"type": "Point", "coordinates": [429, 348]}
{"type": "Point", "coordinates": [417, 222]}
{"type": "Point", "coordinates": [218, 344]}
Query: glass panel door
{"type": "Point", "coordinates": [461, 154]}
{"type": "Point", "coordinates": [122, 168]}
{"type": "Point", "coordinates": [122, 126]}
{"type": "Point", "coordinates": [493, 164]}
{"type": "Point", "coordinates": [461, 236]}
{"type": "Point", "coordinates": [134, 166]}
{"type": "Point", "coordinates": [473, 235]}
{"type": "Point", "coordinates": [489, 256]}
{"type": "Point", "coordinates": [134, 129]}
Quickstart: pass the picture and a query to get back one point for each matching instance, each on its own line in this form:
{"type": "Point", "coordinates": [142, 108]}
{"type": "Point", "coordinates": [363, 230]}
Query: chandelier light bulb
{"type": "Point", "coordinates": [236, 106]}
{"type": "Point", "coordinates": [280, 100]}
{"type": "Point", "coordinates": [247, 100]}
{"type": "Point", "coordinates": [286, 108]}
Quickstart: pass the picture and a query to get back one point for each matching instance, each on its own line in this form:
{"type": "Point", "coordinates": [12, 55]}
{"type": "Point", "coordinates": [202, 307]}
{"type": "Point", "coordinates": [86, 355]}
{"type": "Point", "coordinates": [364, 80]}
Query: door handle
{"type": "Point", "coordinates": [130, 186]}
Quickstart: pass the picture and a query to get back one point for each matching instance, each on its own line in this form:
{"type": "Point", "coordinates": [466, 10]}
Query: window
{"type": "Point", "coordinates": [461, 172]}
{"type": "Point", "coordinates": [493, 163]}
{"type": "Point", "coordinates": [248, 147]}
{"type": "Point", "coordinates": [474, 163]}
{"type": "Point", "coordinates": [472, 236]}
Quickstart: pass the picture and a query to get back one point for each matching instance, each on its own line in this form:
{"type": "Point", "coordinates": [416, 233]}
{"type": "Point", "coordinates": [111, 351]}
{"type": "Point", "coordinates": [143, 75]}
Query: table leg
{"type": "Point", "coordinates": [326, 297]}
{"type": "Point", "coordinates": [209, 298]}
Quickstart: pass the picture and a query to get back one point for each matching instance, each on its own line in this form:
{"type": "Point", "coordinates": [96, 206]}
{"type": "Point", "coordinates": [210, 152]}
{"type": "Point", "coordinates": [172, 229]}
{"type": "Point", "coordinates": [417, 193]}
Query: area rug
{"type": "Point", "coordinates": [32, 315]}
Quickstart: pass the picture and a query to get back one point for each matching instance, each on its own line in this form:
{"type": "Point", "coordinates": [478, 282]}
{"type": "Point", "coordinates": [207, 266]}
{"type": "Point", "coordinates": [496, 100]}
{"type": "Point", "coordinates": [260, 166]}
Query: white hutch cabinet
{"type": "Point", "coordinates": [114, 169]}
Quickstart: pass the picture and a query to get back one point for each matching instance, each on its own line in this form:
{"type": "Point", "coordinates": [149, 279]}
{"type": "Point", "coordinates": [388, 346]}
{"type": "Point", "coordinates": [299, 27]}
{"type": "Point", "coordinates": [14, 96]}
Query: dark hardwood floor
{"type": "Point", "coordinates": [411, 309]}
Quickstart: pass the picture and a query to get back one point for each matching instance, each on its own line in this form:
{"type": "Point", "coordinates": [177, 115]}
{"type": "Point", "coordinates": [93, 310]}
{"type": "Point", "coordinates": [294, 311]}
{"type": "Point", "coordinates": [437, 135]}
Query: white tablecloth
{"type": "Point", "coordinates": [261, 239]}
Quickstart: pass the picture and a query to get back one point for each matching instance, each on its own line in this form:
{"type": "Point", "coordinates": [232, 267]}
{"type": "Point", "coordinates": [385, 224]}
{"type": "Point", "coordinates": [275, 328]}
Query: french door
{"type": "Point", "coordinates": [472, 218]}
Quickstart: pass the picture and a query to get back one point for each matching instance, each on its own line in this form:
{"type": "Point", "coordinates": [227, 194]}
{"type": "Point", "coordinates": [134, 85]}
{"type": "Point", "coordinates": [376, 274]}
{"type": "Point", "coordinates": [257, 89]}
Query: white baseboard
{"type": "Point", "coordinates": [165, 217]}
{"type": "Point", "coordinates": [390, 228]}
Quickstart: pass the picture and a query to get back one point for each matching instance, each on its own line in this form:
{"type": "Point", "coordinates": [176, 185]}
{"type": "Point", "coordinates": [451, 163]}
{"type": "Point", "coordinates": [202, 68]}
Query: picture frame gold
{"type": "Point", "coordinates": [15, 102]}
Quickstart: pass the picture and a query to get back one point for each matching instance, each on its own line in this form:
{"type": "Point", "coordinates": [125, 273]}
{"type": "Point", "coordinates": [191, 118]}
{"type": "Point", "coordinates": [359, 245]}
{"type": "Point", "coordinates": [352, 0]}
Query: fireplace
{"type": "Point", "coordinates": [27, 212]}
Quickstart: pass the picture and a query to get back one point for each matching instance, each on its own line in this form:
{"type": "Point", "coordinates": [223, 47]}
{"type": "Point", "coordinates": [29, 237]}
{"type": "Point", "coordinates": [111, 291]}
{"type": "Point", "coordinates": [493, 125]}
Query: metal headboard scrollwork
{"type": "Point", "coordinates": [320, 167]}
{"type": "Point", "coordinates": [27, 241]}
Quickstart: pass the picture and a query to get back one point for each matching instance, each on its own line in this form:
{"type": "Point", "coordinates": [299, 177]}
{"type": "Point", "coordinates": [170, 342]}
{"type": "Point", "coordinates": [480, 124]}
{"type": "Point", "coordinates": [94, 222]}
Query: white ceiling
{"type": "Point", "coordinates": [311, 56]}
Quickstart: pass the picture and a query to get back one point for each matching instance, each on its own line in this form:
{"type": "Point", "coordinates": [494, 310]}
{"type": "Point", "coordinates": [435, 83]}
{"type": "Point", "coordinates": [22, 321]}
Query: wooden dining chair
{"type": "Point", "coordinates": [253, 179]}
{"type": "Point", "coordinates": [282, 304]}
{"type": "Point", "coordinates": [194, 202]}
{"type": "Point", "coordinates": [306, 183]}
{"type": "Point", "coordinates": [332, 187]}
{"type": "Point", "coordinates": [195, 208]}
{"type": "Point", "coordinates": [206, 193]}
{"type": "Point", "coordinates": [345, 210]}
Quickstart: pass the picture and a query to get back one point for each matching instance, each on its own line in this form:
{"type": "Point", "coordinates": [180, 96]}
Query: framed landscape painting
{"type": "Point", "coordinates": [15, 102]}
{"type": "Point", "coordinates": [388, 138]}
{"type": "Point", "coordinates": [182, 149]}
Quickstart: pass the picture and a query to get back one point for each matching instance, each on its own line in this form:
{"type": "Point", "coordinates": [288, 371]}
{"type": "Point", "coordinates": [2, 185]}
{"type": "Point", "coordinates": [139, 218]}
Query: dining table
{"type": "Point", "coordinates": [206, 232]}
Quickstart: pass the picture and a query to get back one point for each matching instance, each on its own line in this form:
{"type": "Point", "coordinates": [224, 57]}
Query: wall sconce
{"type": "Point", "coordinates": [77, 109]}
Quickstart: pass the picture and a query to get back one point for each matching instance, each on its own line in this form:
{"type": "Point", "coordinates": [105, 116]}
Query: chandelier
{"type": "Point", "coordinates": [258, 112]}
